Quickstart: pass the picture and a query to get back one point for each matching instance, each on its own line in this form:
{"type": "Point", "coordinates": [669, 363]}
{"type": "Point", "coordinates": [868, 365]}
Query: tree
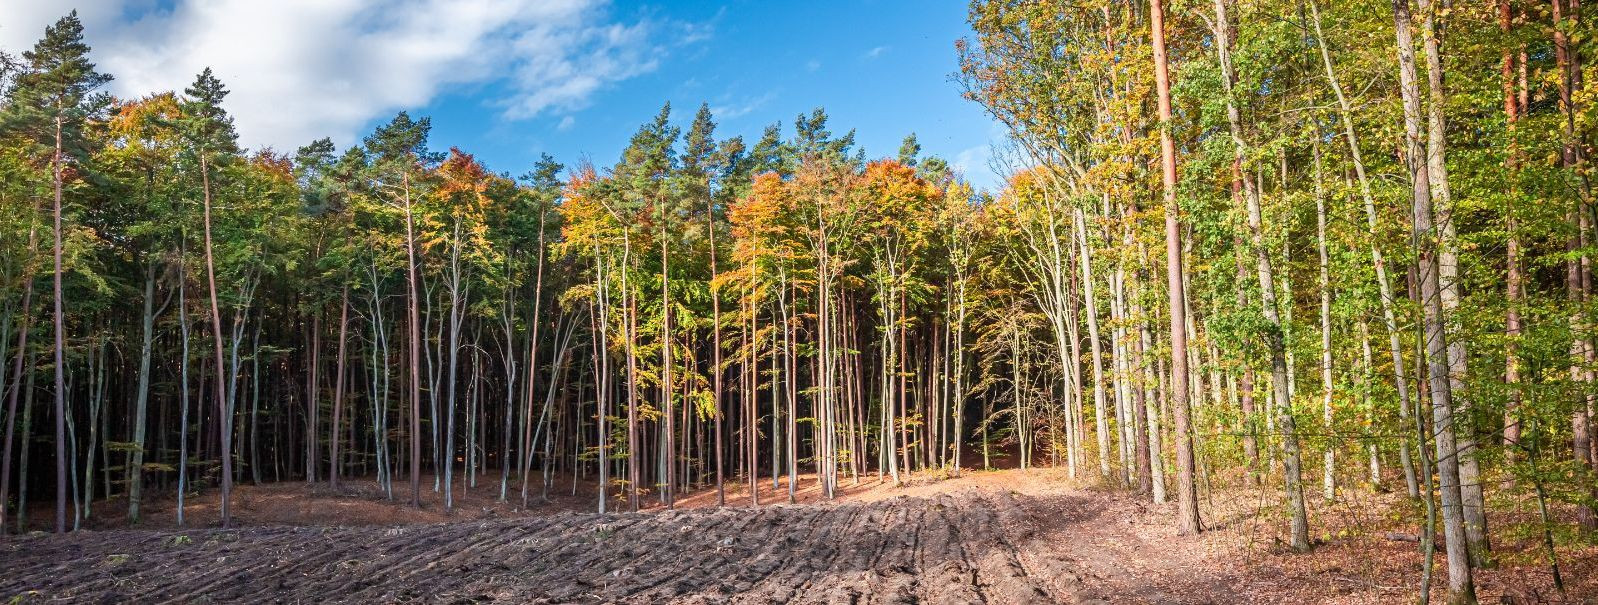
{"type": "Point", "coordinates": [147, 160]}
{"type": "Point", "coordinates": [1460, 586]}
{"type": "Point", "coordinates": [1187, 496]}
{"type": "Point", "coordinates": [398, 149]}
{"type": "Point", "coordinates": [51, 101]}
{"type": "Point", "coordinates": [209, 133]}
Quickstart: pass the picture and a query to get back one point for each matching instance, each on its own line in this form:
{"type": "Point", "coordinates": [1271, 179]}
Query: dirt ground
{"type": "Point", "coordinates": [985, 537]}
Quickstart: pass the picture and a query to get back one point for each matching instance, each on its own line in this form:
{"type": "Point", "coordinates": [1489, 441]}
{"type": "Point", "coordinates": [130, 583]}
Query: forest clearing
{"type": "Point", "coordinates": [1257, 301]}
{"type": "Point", "coordinates": [1006, 536]}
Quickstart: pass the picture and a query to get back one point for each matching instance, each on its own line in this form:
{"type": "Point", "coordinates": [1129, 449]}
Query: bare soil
{"type": "Point", "coordinates": [985, 537]}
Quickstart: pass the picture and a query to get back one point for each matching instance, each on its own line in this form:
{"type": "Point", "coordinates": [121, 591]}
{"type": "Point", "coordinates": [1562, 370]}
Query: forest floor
{"type": "Point", "coordinates": [985, 537]}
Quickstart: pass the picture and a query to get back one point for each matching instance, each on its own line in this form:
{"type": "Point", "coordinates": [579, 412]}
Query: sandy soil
{"type": "Point", "coordinates": [986, 537]}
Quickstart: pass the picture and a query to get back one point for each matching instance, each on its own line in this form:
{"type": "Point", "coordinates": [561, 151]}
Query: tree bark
{"type": "Point", "coordinates": [1186, 494]}
{"type": "Point", "coordinates": [1470, 486]}
{"type": "Point", "coordinates": [60, 352]}
{"type": "Point", "coordinates": [414, 350]}
{"type": "Point", "coordinates": [1384, 284]}
{"type": "Point", "coordinates": [1461, 588]}
{"type": "Point", "coordinates": [335, 460]}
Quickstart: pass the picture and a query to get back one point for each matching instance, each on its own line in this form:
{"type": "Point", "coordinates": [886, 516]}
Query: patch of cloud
{"type": "Point", "coordinates": [978, 167]}
{"type": "Point", "coordinates": [875, 53]}
{"type": "Point", "coordinates": [303, 69]}
{"type": "Point", "coordinates": [738, 109]}
{"type": "Point", "coordinates": [812, 65]}
{"type": "Point", "coordinates": [566, 123]}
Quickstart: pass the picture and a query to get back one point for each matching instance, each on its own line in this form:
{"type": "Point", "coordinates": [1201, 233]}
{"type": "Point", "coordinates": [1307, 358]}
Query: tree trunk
{"type": "Point", "coordinates": [1378, 260]}
{"type": "Point", "coordinates": [1573, 161]}
{"type": "Point", "coordinates": [335, 460]}
{"type": "Point", "coordinates": [1475, 509]}
{"type": "Point", "coordinates": [17, 380]}
{"type": "Point", "coordinates": [1281, 395]}
{"type": "Point", "coordinates": [414, 350]}
{"type": "Point", "coordinates": [1461, 589]}
{"type": "Point", "coordinates": [183, 383]}
{"type": "Point", "coordinates": [715, 355]}
{"type": "Point", "coordinates": [1514, 295]}
{"type": "Point", "coordinates": [1101, 423]}
{"type": "Point", "coordinates": [1329, 477]}
{"type": "Point", "coordinates": [60, 353]}
{"type": "Point", "coordinates": [313, 412]}
{"type": "Point", "coordinates": [135, 470]}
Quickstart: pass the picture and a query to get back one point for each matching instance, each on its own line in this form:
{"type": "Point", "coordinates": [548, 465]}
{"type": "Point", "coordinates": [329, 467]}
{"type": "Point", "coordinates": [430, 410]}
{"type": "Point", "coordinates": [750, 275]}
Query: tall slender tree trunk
{"type": "Point", "coordinates": [1279, 365]}
{"type": "Point", "coordinates": [1574, 162]}
{"type": "Point", "coordinates": [456, 311]}
{"type": "Point", "coordinates": [1378, 260]}
{"type": "Point", "coordinates": [1470, 485]}
{"type": "Point", "coordinates": [313, 410]}
{"type": "Point", "coordinates": [335, 460]}
{"type": "Point", "coordinates": [1186, 494]}
{"type": "Point", "coordinates": [135, 469]}
{"type": "Point", "coordinates": [630, 311]}
{"type": "Point", "coordinates": [1329, 456]}
{"type": "Point", "coordinates": [60, 352]}
{"type": "Point", "coordinates": [224, 412]}
{"type": "Point", "coordinates": [1101, 424]}
{"type": "Point", "coordinates": [183, 381]}
{"type": "Point", "coordinates": [1512, 264]}
{"type": "Point", "coordinates": [1461, 588]}
{"type": "Point", "coordinates": [717, 416]}
{"type": "Point", "coordinates": [17, 381]}
{"type": "Point", "coordinates": [668, 434]}
{"type": "Point", "coordinates": [532, 360]}
{"type": "Point", "coordinates": [414, 350]}
{"type": "Point", "coordinates": [1280, 389]}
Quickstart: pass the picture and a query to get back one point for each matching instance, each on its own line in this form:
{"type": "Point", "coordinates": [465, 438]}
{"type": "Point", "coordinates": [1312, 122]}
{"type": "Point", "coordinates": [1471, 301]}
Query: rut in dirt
{"type": "Point", "coordinates": [953, 548]}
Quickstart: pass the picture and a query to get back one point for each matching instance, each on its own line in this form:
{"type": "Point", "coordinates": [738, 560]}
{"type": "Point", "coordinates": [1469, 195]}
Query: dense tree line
{"type": "Point", "coordinates": [1379, 237]}
{"type": "Point", "coordinates": [1242, 241]}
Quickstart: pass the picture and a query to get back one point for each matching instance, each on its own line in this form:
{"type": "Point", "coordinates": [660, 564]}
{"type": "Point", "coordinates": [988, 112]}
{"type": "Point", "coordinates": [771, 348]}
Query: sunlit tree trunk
{"type": "Point", "coordinates": [1569, 64]}
{"type": "Point", "coordinates": [1470, 485]}
{"type": "Point", "coordinates": [1513, 288]}
{"type": "Point", "coordinates": [1378, 260]}
{"type": "Point", "coordinates": [224, 412]}
{"type": "Point", "coordinates": [1435, 339]}
{"type": "Point", "coordinates": [414, 350]}
{"type": "Point", "coordinates": [716, 371]}
{"type": "Point", "coordinates": [1281, 396]}
{"type": "Point", "coordinates": [1329, 456]}
{"type": "Point", "coordinates": [536, 321]}
{"type": "Point", "coordinates": [60, 351]}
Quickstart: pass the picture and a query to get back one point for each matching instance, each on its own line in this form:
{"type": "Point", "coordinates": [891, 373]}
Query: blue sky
{"type": "Point", "coordinates": [881, 67]}
{"type": "Point", "coordinates": [509, 79]}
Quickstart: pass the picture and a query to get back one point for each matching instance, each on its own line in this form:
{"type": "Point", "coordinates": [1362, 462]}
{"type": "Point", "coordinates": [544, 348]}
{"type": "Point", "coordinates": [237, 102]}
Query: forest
{"type": "Point", "coordinates": [1243, 245]}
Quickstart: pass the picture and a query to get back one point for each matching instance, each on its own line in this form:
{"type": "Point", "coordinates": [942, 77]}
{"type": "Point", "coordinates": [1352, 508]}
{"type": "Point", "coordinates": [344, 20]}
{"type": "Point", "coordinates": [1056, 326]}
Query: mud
{"type": "Point", "coordinates": [964, 547]}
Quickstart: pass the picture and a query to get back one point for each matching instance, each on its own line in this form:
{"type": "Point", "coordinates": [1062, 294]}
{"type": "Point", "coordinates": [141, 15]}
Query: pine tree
{"type": "Point", "coordinates": [51, 100]}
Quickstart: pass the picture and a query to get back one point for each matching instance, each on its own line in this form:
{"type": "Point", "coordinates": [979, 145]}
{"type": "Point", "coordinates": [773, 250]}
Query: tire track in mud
{"type": "Point", "coordinates": [1006, 570]}
{"type": "Point", "coordinates": [949, 548]}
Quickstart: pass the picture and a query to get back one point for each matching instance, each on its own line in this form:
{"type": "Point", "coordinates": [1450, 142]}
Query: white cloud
{"type": "Point", "coordinates": [875, 52]}
{"type": "Point", "coordinates": [302, 69]}
{"type": "Point", "coordinates": [976, 164]}
{"type": "Point", "coordinates": [741, 108]}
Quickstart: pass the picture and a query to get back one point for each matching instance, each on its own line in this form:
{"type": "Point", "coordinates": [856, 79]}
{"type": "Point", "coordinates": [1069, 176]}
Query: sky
{"type": "Point", "coordinates": [508, 80]}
